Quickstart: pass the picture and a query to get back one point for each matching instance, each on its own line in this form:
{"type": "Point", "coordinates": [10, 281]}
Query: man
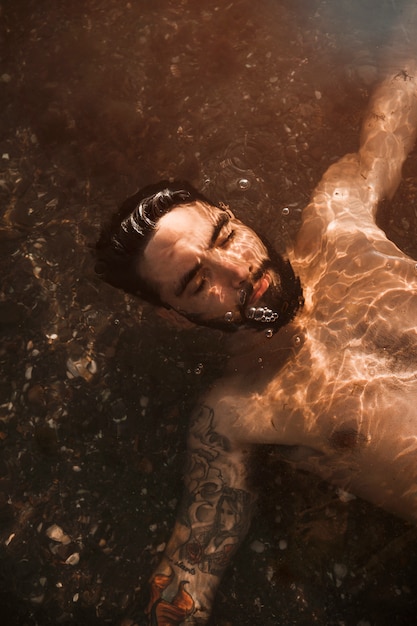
{"type": "Point", "coordinates": [331, 377]}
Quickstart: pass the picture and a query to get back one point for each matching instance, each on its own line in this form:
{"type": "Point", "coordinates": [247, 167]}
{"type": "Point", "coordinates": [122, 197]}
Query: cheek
{"type": "Point", "coordinates": [251, 248]}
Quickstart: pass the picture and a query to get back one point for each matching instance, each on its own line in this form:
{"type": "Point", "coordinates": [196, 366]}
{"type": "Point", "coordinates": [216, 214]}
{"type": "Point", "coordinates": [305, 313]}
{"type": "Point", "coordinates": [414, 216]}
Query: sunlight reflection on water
{"type": "Point", "coordinates": [256, 99]}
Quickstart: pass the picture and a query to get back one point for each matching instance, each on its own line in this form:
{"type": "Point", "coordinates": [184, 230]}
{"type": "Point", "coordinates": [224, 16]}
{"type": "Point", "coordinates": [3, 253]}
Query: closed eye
{"type": "Point", "coordinates": [224, 242]}
{"type": "Point", "coordinates": [201, 286]}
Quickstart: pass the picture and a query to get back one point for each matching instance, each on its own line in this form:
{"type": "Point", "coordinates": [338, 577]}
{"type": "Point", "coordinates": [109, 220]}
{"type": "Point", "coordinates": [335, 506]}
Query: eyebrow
{"type": "Point", "coordinates": [188, 276]}
{"type": "Point", "coordinates": [222, 221]}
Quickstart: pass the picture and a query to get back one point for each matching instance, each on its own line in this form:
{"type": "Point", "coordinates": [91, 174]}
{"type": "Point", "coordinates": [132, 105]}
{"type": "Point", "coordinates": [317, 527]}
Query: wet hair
{"type": "Point", "coordinates": [123, 241]}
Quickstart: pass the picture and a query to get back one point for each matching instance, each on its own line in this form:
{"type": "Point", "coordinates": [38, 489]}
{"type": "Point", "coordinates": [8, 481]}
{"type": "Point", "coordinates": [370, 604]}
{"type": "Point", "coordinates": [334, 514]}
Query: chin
{"type": "Point", "coordinates": [281, 301]}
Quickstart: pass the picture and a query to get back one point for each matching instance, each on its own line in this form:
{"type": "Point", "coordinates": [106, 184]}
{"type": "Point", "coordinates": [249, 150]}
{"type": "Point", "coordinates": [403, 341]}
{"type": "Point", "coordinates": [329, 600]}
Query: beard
{"type": "Point", "coordinates": [280, 302]}
{"type": "Point", "coordinates": [276, 307]}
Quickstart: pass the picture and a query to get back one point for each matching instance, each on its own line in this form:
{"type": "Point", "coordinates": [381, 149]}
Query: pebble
{"type": "Point", "coordinates": [78, 368]}
{"type": "Point", "coordinates": [340, 570]}
{"type": "Point", "coordinates": [37, 599]}
{"type": "Point", "coordinates": [56, 533]}
{"type": "Point", "coordinates": [257, 546]}
{"type": "Point", "coordinates": [92, 367]}
{"type": "Point", "coordinates": [10, 539]}
{"type": "Point", "coordinates": [269, 573]}
{"type": "Point", "coordinates": [144, 401]}
{"type": "Point", "coordinates": [73, 559]}
{"type": "Point", "coordinates": [36, 395]}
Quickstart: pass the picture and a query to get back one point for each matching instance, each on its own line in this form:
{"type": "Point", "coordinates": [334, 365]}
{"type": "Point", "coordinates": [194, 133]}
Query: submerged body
{"type": "Point", "coordinates": [346, 391]}
{"type": "Point", "coordinates": [337, 385]}
{"type": "Point", "coordinates": [333, 382]}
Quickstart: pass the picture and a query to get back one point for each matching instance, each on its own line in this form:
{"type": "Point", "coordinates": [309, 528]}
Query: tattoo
{"type": "Point", "coordinates": [216, 514]}
{"type": "Point", "coordinates": [212, 543]}
{"type": "Point", "coordinates": [203, 476]}
{"type": "Point", "coordinates": [214, 517]}
{"type": "Point", "coordinates": [203, 429]}
{"type": "Point", "coordinates": [163, 613]}
{"type": "Point", "coordinates": [182, 566]}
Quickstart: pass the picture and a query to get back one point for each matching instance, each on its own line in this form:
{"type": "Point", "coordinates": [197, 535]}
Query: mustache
{"type": "Point", "coordinates": [246, 290]}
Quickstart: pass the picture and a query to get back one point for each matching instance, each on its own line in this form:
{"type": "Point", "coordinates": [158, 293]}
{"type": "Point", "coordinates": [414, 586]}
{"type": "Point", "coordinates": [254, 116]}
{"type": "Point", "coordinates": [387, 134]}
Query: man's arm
{"type": "Point", "coordinates": [213, 519]}
{"type": "Point", "coordinates": [348, 194]}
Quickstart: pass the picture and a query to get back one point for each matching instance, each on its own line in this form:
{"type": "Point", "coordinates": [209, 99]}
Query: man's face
{"type": "Point", "coordinates": [210, 267]}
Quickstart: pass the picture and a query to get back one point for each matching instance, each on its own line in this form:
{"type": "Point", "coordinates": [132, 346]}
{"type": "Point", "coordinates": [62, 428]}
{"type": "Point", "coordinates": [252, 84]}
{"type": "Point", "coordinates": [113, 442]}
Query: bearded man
{"type": "Point", "coordinates": [323, 345]}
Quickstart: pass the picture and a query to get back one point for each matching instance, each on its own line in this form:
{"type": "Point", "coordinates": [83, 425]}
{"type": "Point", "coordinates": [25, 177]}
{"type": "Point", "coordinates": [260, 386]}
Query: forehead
{"type": "Point", "coordinates": [186, 222]}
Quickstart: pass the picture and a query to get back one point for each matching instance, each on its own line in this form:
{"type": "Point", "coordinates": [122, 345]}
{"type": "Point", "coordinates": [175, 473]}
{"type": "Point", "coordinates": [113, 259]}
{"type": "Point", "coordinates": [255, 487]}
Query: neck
{"type": "Point", "coordinates": [254, 357]}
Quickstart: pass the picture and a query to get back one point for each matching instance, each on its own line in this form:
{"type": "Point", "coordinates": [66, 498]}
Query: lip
{"type": "Point", "coordinates": [259, 289]}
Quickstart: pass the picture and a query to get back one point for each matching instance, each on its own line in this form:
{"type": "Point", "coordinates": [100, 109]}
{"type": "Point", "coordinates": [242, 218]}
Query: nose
{"type": "Point", "coordinates": [230, 270]}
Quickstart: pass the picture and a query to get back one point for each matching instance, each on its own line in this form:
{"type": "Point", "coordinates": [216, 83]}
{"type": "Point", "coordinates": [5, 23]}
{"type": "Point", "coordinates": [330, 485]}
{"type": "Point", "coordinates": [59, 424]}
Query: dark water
{"type": "Point", "coordinates": [250, 102]}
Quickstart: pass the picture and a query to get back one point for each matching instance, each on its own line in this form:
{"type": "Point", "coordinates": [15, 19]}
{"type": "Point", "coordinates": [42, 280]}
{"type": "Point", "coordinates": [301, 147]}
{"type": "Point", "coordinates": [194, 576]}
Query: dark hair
{"type": "Point", "coordinates": [124, 240]}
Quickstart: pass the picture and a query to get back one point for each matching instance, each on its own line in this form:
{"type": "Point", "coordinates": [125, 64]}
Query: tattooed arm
{"type": "Point", "coordinates": [213, 519]}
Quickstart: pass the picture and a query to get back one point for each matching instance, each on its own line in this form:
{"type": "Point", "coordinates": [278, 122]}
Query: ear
{"type": "Point", "coordinates": [174, 318]}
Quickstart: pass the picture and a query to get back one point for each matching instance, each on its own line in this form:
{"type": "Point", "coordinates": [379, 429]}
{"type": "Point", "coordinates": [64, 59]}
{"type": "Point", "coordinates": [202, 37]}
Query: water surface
{"type": "Point", "coordinates": [250, 102]}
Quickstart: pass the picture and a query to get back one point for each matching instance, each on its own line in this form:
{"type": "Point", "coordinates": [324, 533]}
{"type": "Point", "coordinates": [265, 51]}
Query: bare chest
{"type": "Point", "coordinates": [332, 383]}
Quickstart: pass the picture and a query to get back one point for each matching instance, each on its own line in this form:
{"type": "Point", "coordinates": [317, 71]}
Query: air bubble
{"type": "Point", "coordinates": [228, 316]}
{"type": "Point", "coordinates": [198, 369]}
{"type": "Point", "coordinates": [244, 184]}
{"type": "Point", "coordinates": [269, 332]}
{"type": "Point", "coordinates": [285, 211]}
{"type": "Point", "coordinates": [251, 313]}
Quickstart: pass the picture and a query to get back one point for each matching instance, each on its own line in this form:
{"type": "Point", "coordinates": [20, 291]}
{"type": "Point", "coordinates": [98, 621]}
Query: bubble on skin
{"type": "Point", "coordinates": [285, 211]}
{"type": "Point", "coordinates": [258, 314]}
{"type": "Point", "coordinates": [269, 332]}
{"type": "Point", "coordinates": [199, 368]}
{"type": "Point", "coordinates": [262, 314]}
{"type": "Point", "coordinates": [228, 316]}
